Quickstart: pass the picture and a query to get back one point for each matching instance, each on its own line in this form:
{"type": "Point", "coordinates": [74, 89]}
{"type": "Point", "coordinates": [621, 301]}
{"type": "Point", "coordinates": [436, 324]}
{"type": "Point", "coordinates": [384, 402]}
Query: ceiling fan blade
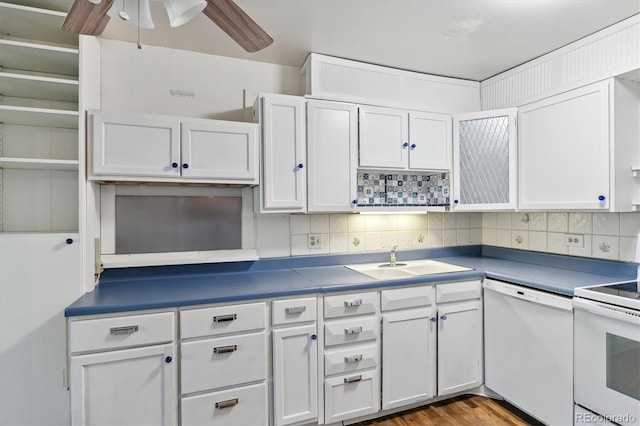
{"type": "Point", "coordinates": [237, 24]}
{"type": "Point", "coordinates": [88, 18]}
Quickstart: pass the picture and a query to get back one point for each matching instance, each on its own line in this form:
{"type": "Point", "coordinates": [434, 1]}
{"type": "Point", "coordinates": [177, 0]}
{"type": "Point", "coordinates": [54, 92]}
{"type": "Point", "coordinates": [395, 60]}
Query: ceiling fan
{"type": "Point", "coordinates": [90, 17]}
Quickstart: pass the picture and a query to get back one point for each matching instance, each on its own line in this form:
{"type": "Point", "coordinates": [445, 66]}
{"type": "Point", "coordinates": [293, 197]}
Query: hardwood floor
{"type": "Point", "coordinates": [464, 410]}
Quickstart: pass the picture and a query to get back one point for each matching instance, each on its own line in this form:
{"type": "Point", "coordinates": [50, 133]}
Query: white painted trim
{"type": "Point", "coordinates": [182, 258]}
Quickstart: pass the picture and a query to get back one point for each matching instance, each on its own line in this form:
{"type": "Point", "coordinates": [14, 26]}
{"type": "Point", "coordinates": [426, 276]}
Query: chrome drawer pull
{"type": "Point", "coordinates": [353, 379]}
{"type": "Point", "coordinates": [352, 358]}
{"type": "Point", "coordinates": [295, 309]}
{"type": "Point", "coordinates": [227, 404]}
{"type": "Point", "coordinates": [355, 302]}
{"type": "Point", "coordinates": [353, 330]}
{"type": "Point", "coordinates": [224, 318]}
{"type": "Point", "coordinates": [129, 329]}
{"type": "Point", "coordinates": [225, 349]}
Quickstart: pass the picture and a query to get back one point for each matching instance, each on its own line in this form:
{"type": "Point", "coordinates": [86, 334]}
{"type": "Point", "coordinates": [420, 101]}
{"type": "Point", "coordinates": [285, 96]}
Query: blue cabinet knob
{"type": "Point", "coordinates": [168, 360]}
{"type": "Point", "coordinates": [601, 197]}
{"type": "Point", "coordinates": [174, 165]}
{"type": "Point", "coordinates": [354, 202]}
{"type": "Point", "coordinates": [300, 166]}
{"type": "Point", "coordinates": [443, 317]}
{"type": "Point", "coordinates": [69, 241]}
{"type": "Point", "coordinates": [314, 337]}
{"type": "Point", "coordinates": [185, 166]}
{"type": "Point", "coordinates": [455, 201]}
{"type": "Point", "coordinates": [434, 319]}
{"type": "Point", "coordinates": [413, 146]}
{"type": "Point", "coordinates": [406, 144]}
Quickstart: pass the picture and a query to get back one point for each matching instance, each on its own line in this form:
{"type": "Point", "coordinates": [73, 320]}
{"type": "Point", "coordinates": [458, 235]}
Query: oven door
{"type": "Point", "coordinates": [607, 360]}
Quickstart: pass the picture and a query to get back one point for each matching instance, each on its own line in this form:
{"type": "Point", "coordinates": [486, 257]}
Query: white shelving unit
{"type": "Point", "coordinates": [39, 164]}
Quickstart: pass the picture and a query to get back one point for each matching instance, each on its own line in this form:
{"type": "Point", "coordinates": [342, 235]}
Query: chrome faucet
{"type": "Point", "coordinates": [392, 256]}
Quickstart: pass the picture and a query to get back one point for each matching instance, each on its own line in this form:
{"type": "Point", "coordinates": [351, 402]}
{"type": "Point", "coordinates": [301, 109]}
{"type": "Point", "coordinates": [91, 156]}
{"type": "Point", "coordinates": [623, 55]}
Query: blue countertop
{"type": "Point", "coordinates": [133, 289]}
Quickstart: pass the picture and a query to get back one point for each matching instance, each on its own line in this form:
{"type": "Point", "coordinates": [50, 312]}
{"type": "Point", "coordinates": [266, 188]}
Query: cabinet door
{"type": "Point", "coordinates": [484, 160]}
{"type": "Point", "coordinates": [332, 132]}
{"type": "Point", "coordinates": [459, 347]}
{"type": "Point", "coordinates": [126, 387]}
{"type": "Point", "coordinates": [409, 356]}
{"type": "Point", "coordinates": [39, 277]}
{"type": "Point", "coordinates": [384, 136]}
{"type": "Point", "coordinates": [135, 145]}
{"type": "Point", "coordinates": [295, 374]}
{"type": "Point", "coordinates": [224, 151]}
{"type": "Point", "coordinates": [284, 157]}
{"type": "Point", "coordinates": [563, 146]}
{"type": "Point", "coordinates": [430, 141]}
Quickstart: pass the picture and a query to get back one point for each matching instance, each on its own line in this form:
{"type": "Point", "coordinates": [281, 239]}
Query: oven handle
{"type": "Point", "coordinates": [610, 311]}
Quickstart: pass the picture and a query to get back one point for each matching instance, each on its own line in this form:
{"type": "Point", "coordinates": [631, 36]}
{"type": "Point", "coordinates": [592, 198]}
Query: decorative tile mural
{"type": "Point", "coordinates": [377, 188]}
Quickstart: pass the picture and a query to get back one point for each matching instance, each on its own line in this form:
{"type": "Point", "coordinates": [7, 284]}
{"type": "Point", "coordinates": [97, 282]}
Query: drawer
{"type": "Point", "coordinates": [453, 292]}
{"type": "Point", "coordinates": [222, 320]}
{"type": "Point", "coordinates": [292, 311]}
{"type": "Point", "coordinates": [351, 304]}
{"type": "Point", "coordinates": [348, 360]}
{"type": "Point", "coordinates": [352, 395]}
{"type": "Point", "coordinates": [223, 361]}
{"type": "Point", "coordinates": [240, 406]}
{"type": "Point", "coordinates": [411, 297]}
{"type": "Point", "coordinates": [351, 331]}
{"type": "Point", "coordinates": [119, 332]}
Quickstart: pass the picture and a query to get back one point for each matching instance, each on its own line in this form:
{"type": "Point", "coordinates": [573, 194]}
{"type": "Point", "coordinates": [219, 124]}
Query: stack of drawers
{"type": "Point", "coordinates": [223, 355]}
{"type": "Point", "coordinates": [351, 355]}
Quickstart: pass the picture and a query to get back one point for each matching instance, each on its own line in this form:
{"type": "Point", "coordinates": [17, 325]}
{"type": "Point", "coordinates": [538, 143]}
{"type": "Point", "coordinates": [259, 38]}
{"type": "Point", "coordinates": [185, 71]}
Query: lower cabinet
{"type": "Point", "coordinates": [295, 361]}
{"type": "Point", "coordinates": [459, 347]}
{"type": "Point", "coordinates": [123, 370]}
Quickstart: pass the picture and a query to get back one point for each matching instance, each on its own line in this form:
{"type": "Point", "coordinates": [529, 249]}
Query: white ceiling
{"type": "Point", "coordinates": [472, 39]}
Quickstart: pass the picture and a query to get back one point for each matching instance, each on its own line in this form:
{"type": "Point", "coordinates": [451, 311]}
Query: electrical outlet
{"type": "Point", "coordinates": [315, 241]}
{"type": "Point", "coordinates": [573, 240]}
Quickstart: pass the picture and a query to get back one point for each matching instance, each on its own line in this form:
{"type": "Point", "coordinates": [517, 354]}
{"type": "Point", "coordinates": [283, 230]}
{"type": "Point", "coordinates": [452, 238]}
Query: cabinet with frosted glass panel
{"type": "Point", "coordinates": [484, 160]}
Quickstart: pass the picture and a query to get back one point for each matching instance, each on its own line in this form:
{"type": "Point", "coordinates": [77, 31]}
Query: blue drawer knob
{"type": "Point", "coordinates": [455, 201]}
{"type": "Point", "coordinates": [443, 317]}
{"type": "Point", "coordinates": [185, 166]}
{"type": "Point", "coordinates": [434, 319]}
{"type": "Point", "coordinates": [300, 166]}
{"type": "Point", "coordinates": [354, 202]}
{"type": "Point", "coordinates": [314, 337]}
{"type": "Point", "coordinates": [406, 144]}
{"type": "Point", "coordinates": [69, 241]}
{"type": "Point", "coordinates": [413, 146]}
{"type": "Point", "coordinates": [601, 197]}
{"type": "Point", "coordinates": [174, 165]}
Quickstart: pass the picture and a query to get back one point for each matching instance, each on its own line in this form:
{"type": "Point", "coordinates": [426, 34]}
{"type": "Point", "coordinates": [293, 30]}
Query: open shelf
{"type": "Point", "coordinates": [38, 116]}
{"type": "Point", "coordinates": [24, 55]}
{"type": "Point", "coordinates": [34, 23]}
{"type": "Point", "coordinates": [38, 87]}
{"type": "Point", "coordinates": [38, 164]}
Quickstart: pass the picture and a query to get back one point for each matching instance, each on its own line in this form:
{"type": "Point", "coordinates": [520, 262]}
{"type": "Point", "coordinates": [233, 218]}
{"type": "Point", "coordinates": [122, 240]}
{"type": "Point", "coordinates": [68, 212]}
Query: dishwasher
{"type": "Point", "coordinates": [529, 350]}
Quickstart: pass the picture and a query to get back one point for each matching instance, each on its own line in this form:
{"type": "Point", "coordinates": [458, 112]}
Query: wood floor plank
{"type": "Point", "coordinates": [467, 410]}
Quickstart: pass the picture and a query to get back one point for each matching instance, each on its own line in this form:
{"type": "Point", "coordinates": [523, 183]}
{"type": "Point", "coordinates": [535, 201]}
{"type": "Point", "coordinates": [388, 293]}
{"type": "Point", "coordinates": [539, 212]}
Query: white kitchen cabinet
{"type": "Point", "coordinates": [295, 374]}
{"type": "Point", "coordinates": [123, 369]}
{"type": "Point", "coordinates": [283, 183]}
{"type": "Point", "coordinates": [576, 149]}
{"type": "Point", "coordinates": [409, 356]}
{"type": "Point", "coordinates": [408, 140]}
{"type": "Point", "coordinates": [459, 346]}
{"type": "Point", "coordinates": [295, 361]}
{"type": "Point", "coordinates": [143, 147]}
{"type": "Point", "coordinates": [125, 387]}
{"type": "Point", "coordinates": [332, 152]}
{"type": "Point", "coordinates": [352, 395]}
{"type": "Point", "coordinates": [484, 160]}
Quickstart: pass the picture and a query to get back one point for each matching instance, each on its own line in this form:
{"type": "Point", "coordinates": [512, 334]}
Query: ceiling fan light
{"type": "Point", "coordinates": [121, 9]}
{"type": "Point", "coordinates": [182, 11]}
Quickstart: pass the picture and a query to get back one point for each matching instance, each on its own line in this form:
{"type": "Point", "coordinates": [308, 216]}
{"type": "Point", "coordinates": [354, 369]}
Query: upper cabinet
{"type": "Point", "coordinates": [141, 147]}
{"type": "Point", "coordinates": [407, 140]}
{"type": "Point", "coordinates": [283, 187]}
{"type": "Point", "coordinates": [484, 160]}
{"type": "Point", "coordinates": [332, 151]}
{"type": "Point", "coordinates": [577, 149]}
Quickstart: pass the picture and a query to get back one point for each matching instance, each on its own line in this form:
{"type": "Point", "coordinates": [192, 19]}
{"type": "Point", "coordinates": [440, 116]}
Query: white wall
{"type": "Point", "coordinates": [139, 80]}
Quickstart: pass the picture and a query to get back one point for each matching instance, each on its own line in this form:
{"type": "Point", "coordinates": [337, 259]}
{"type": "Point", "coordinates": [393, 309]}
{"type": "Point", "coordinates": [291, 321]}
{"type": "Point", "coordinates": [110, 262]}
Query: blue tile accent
{"type": "Point", "coordinates": [402, 189]}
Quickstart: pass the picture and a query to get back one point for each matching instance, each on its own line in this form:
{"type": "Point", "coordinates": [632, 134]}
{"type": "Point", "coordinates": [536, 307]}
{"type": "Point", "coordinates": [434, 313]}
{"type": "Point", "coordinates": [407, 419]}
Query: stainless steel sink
{"type": "Point", "coordinates": [409, 269]}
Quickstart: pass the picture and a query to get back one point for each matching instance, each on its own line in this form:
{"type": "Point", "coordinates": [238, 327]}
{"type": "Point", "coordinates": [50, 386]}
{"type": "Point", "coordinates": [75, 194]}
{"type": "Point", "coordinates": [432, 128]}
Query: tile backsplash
{"type": "Point", "coordinates": [604, 235]}
{"type": "Point", "coordinates": [377, 188]}
{"type": "Point", "coordinates": [348, 233]}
